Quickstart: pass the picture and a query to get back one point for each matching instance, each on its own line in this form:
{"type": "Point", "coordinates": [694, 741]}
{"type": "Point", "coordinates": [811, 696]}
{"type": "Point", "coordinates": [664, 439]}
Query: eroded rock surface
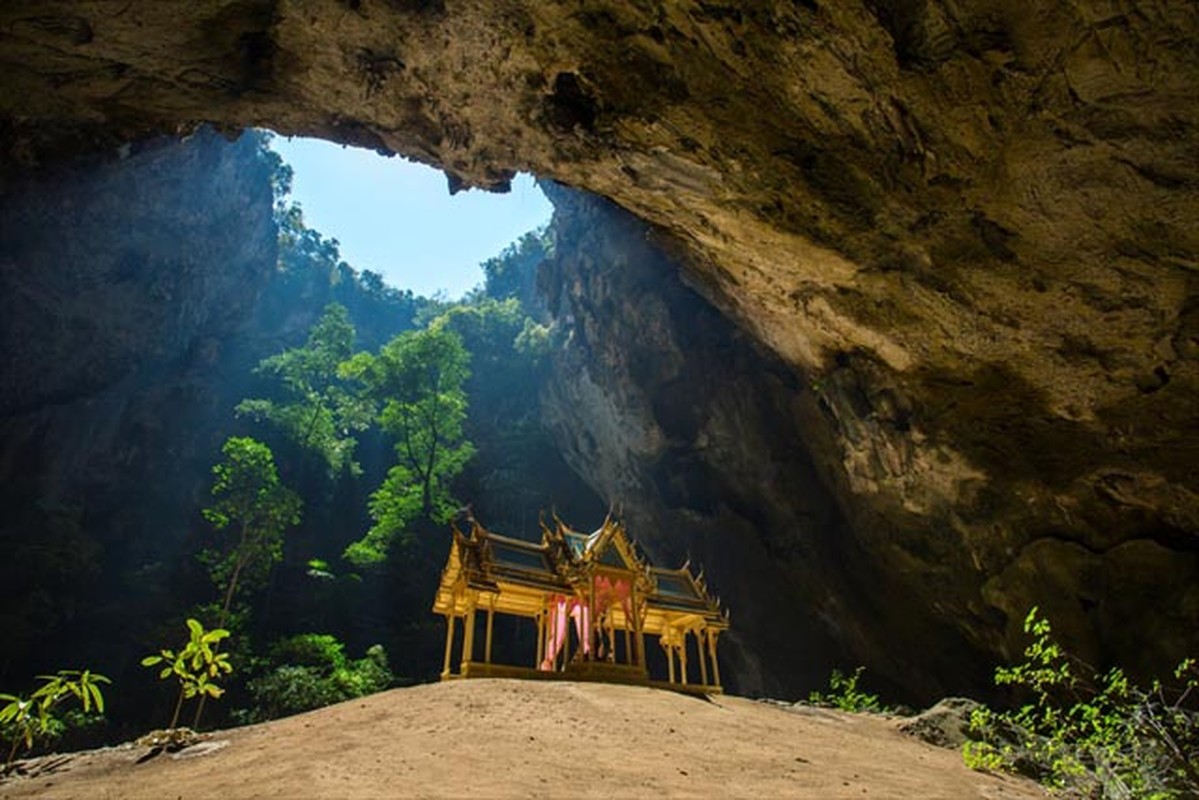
{"type": "Point", "coordinates": [968, 226]}
{"type": "Point", "coordinates": [704, 436]}
{"type": "Point", "coordinates": [122, 294]}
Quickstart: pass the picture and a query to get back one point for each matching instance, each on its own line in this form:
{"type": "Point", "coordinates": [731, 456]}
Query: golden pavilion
{"type": "Point", "coordinates": [594, 601]}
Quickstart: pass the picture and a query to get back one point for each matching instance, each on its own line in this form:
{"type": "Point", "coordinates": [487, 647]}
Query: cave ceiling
{"type": "Point", "coordinates": [971, 224]}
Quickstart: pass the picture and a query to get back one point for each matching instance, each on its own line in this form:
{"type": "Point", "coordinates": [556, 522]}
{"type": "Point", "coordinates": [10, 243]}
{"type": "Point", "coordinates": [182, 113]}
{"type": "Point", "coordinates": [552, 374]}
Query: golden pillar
{"type": "Point", "coordinates": [468, 640]}
{"type": "Point", "coordinates": [449, 645]}
{"type": "Point", "coordinates": [712, 650]}
{"type": "Point", "coordinates": [703, 662]}
{"type": "Point", "coordinates": [490, 620]}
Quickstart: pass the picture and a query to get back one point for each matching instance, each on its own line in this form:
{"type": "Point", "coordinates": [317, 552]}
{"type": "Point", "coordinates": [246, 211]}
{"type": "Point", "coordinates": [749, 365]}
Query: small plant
{"type": "Point", "coordinates": [843, 693]}
{"type": "Point", "coordinates": [28, 719]}
{"type": "Point", "coordinates": [983, 756]}
{"type": "Point", "coordinates": [1097, 734]}
{"type": "Point", "coordinates": [196, 666]}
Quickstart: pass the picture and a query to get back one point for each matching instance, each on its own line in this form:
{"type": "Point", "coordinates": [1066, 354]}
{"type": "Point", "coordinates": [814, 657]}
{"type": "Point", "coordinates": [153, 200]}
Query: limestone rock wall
{"type": "Point", "coordinates": [703, 438]}
{"type": "Point", "coordinates": [764, 475]}
{"type": "Point", "coordinates": [124, 265]}
{"type": "Point", "coordinates": [123, 285]}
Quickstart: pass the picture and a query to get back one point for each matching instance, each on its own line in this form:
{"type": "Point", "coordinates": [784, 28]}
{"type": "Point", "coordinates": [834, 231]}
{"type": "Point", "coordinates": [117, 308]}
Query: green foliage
{"type": "Point", "coordinates": [30, 719]}
{"type": "Point", "coordinates": [250, 501]}
{"type": "Point", "coordinates": [22, 720]}
{"type": "Point", "coordinates": [320, 650]}
{"type": "Point", "coordinates": [310, 671]}
{"type": "Point", "coordinates": [843, 693]}
{"type": "Point", "coordinates": [984, 756]}
{"type": "Point", "coordinates": [1096, 734]}
{"type": "Point", "coordinates": [281, 171]}
{"type": "Point", "coordinates": [310, 268]}
{"type": "Point", "coordinates": [196, 666]}
{"type": "Point", "coordinates": [487, 328]}
{"type": "Point", "coordinates": [317, 411]}
{"type": "Point", "coordinates": [319, 568]}
{"type": "Point", "coordinates": [416, 382]}
{"type": "Point", "coordinates": [507, 275]}
{"type": "Point", "coordinates": [533, 340]}
{"type": "Point", "coordinates": [84, 685]}
{"type": "Point", "coordinates": [508, 364]}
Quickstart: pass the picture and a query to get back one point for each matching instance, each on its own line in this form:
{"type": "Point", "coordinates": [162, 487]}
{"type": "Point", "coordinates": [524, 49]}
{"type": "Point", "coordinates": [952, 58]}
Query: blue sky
{"type": "Point", "coordinates": [397, 218]}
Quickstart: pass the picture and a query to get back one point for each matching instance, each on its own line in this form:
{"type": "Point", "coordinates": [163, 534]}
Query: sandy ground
{"type": "Point", "coordinates": [503, 738]}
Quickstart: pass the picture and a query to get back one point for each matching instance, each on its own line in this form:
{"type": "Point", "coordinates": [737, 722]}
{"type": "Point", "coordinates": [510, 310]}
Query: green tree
{"type": "Point", "coordinates": [512, 274]}
{"type": "Point", "coordinates": [416, 381]}
{"type": "Point", "coordinates": [250, 501]}
{"type": "Point", "coordinates": [317, 412]}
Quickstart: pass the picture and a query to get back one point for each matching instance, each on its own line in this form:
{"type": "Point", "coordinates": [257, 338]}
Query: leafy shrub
{"type": "Point", "coordinates": [196, 666]}
{"type": "Point", "coordinates": [1096, 734]}
{"type": "Point", "coordinates": [310, 671]}
{"type": "Point", "coordinates": [982, 755]}
{"type": "Point", "coordinates": [319, 650]}
{"type": "Point", "coordinates": [30, 719]}
{"type": "Point", "coordinates": [843, 693]}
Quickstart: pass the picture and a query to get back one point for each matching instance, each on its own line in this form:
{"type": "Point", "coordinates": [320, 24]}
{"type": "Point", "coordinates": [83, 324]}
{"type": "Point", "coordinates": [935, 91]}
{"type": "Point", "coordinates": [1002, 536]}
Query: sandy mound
{"type": "Point", "coordinates": [497, 738]}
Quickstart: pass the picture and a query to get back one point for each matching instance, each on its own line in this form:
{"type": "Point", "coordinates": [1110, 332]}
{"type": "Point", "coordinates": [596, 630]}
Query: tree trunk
{"type": "Point", "coordinates": [223, 620]}
{"type": "Point", "coordinates": [199, 711]}
{"type": "Point", "coordinates": [178, 708]}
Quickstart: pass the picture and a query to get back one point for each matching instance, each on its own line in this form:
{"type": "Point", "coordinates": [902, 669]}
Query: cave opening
{"type": "Point", "coordinates": [161, 301]}
{"type": "Point", "coordinates": [397, 218]}
{"type": "Point", "coordinates": [937, 189]}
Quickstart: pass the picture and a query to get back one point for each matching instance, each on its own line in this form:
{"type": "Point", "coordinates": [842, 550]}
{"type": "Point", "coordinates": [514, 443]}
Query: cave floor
{"type": "Point", "coordinates": [507, 738]}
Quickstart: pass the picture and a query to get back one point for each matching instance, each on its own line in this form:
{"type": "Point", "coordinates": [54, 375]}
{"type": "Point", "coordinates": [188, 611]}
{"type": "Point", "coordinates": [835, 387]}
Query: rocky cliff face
{"type": "Point", "coordinates": [708, 441]}
{"type": "Point", "coordinates": [120, 292]}
{"type": "Point", "coordinates": [969, 227]}
{"type": "Point", "coordinates": [113, 268]}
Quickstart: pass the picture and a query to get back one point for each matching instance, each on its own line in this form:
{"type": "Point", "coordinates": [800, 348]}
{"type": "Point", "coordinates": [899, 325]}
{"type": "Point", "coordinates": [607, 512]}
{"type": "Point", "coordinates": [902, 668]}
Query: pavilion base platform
{"type": "Point", "coordinates": [590, 671]}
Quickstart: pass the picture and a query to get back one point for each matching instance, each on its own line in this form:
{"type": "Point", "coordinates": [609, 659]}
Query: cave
{"type": "Point", "coordinates": [899, 296]}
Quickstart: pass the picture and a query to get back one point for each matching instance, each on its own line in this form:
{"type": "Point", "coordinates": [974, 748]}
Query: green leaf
{"type": "Point", "coordinates": [97, 697]}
